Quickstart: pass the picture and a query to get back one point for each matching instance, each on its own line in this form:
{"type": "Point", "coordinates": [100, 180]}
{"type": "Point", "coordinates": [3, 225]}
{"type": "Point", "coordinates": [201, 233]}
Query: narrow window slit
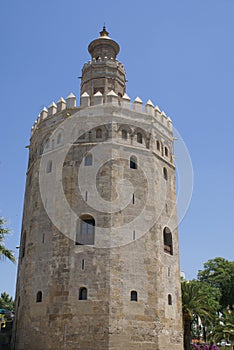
{"type": "Point", "coordinates": [82, 264]}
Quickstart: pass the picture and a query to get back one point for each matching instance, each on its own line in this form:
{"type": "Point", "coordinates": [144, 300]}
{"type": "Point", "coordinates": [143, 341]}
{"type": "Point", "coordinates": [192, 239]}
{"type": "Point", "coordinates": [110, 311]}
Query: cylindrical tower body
{"type": "Point", "coordinates": [99, 257]}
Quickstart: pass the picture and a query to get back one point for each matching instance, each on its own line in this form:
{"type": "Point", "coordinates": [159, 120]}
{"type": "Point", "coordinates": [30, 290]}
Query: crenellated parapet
{"type": "Point", "coordinates": [66, 107]}
{"type": "Point", "coordinates": [125, 102]}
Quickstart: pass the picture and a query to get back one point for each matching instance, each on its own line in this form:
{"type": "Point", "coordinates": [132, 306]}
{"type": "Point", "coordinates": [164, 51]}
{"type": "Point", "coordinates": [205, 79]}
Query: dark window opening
{"type": "Point", "coordinates": [98, 133]}
{"type": "Point", "coordinates": [124, 134]}
{"type": "Point", "coordinates": [23, 245]}
{"type": "Point", "coordinates": [133, 295]}
{"type": "Point", "coordinates": [133, 163]}
{"type": "Point", "coordinates": [169, 299]}
{"type": "Point", "coordinates": [166, 151]}
{"type": "Point", "coordinates": [83, 293]}
{"type": "Point", "coordinates": [158, 145]}
{"type": "Point", "coordinates": [39, 297]}
{"type": "Point", "coordinates": [167, 241]}
{"type": "Point", "coordinates": [139, 137]}
{"type": "Point", "coordinates": [165, 173]}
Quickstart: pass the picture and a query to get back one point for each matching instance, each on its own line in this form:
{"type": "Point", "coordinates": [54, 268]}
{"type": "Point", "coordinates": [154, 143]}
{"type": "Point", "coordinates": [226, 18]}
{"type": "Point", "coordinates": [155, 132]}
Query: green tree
{"type": "Point", "coordinates": [224, 329]}
{"type": "Point", "coordinates": [197, 302]}
{"type": "Point", "coordinates": [6, 302]}
{"type": "Point", "coordinates": [219, 273]}
{"type": "Point", "coordinates": [4, 252]}
{"type": "Point", "coordinates": [213, 298]}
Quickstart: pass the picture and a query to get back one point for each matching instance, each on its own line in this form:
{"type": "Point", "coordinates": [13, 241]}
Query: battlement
{"type": "Point", "coordinates": [67, 107]}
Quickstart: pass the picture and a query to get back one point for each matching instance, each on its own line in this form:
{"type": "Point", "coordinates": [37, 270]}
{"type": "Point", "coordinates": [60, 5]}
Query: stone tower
{"type": "Point", "coordinates": [99, 259]}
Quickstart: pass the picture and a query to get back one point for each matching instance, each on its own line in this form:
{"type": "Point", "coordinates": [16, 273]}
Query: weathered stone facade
{"type": "Point", "coordinates": [101, 172]}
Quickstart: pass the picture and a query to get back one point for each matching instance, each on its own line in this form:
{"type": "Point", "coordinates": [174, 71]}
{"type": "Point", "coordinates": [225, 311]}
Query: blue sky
{"type": "Point", "coordinates": [179, 54]}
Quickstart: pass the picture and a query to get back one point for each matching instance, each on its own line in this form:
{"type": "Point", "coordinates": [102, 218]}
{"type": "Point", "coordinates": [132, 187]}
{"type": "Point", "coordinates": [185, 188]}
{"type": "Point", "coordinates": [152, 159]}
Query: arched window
{"type": "Point", "coordinates": [133, 162]}
{"type": "Point", "coordinates": [124, 134]}
{"type": "Point", "coordinates": [133, 296]}
{"type": "Point", "coordinates": [88, 160]}
{"type": "Point", "coordinates": [83, 293]}
{"type": "Point", "coordinates": [169, 299]}
{"type": "Point", "coordinates": [166, 151]}
{"type": "Point", "coordinates": [165, 173]}
{"type": "Point", "coordinates": [167, 241]}
{"type": "Point", "coordinates": [39, 297]}
{"type": "Point", "coordinates": [139, 137]}
{"type": "Point", "coordinates": [98, 133]}
{"type": "Point", "coordinates": [85, 230]}
{"type": "Point", "coordinates": [158, 145]}
{"type": "Point", "coordinates": [49, 167]}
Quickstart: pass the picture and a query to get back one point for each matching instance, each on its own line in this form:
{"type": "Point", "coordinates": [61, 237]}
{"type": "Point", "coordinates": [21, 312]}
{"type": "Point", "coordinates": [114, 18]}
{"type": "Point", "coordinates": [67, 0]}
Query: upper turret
{"type": "Point", "coordinates": [103, 73]}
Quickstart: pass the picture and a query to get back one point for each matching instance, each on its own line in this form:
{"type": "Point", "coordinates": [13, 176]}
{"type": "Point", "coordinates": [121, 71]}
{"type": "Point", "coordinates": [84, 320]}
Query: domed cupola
{"type": "Point", "coordinates": [103, 47]}
{"type": "Point", "coordinates": [104, 72]}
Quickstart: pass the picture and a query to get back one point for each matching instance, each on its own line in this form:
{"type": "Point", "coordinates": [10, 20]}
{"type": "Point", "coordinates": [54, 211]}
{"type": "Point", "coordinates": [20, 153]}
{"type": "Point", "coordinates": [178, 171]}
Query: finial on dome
{"type": "Point", "coordinates": [104, 32]}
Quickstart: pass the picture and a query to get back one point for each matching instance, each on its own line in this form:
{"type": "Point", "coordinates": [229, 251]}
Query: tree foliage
{"type": "Point", "coordinates": [4, 252]}
{"type": "Point", "coordinates": [224, 329]}
{"type": "Point", "coordinates": [219, 273]}
{"type": "Point", "coordinates": [198, 302]}
{"type": "Point", "coordinates": [6, 302]}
